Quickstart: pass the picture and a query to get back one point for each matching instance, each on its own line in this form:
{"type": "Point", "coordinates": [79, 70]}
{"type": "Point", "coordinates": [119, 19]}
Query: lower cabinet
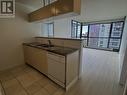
{"type": "Point", "coordinates": [36, 58]}
{"type": "Point", "coordinates": [61, 69]}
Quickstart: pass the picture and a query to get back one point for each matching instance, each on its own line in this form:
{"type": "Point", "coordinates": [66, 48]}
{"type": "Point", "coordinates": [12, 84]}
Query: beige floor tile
{"type": "Point", "coordinates": [51, 88]}
{"type": "Point", "coordinates": [36, 74]}
{"type": "Point", "coordinates": [14, 90]}
{"type": "Point", "coordinates": [21, 93]}
{"type": "Point", "coordinates": [42, 92]}
{"type": "Point", "coordinates": [10, 83]}
{"type": "Point", "coordinates": [60, 91]}
{"type": "Point", "coordinates": [1, 90]}
{"type": "Point", "coordinates": [26, 80]}
{"type": "Point", "coordinates": [29, 69]}
{"type": "Point", "coordinates": [18, 71]}
{"type": "Point", "coordinates": [6, 75]}
{"type": "Point", "coordinates": [43, 82]}
{"type": "Point", "coordinates": [33, 88]}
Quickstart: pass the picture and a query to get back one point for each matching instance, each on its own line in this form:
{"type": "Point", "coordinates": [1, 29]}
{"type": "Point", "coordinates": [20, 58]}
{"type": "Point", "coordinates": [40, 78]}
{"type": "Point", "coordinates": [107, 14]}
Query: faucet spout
{"type": "Point", "coordinates": [49, 42]}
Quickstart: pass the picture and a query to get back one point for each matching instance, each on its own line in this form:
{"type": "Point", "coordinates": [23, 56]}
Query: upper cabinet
{"type": "Point", "coordinates": [42, 13]}
{"type": "Point", "coordinates": [56, 9]}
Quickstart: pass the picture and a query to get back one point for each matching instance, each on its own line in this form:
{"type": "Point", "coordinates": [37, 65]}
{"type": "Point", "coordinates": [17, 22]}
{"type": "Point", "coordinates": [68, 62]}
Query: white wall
{"type": "Point", "coordinates": [92, 10]}
{"type": "Point", "coordinates": [13, 32]}
{"type": "Point", "coordinates": [62, 28]}
{"type": "Point", "coordinates": [123, 55]}
{"type": "Point", "coordinates": [44, 30]}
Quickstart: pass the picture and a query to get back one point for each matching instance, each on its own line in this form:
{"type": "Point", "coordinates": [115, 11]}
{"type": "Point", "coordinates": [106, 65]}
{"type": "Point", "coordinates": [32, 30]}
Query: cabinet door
{"type": "Point", "coordinates": [64, 6]}
{"type": "Point", "coordinates": [36, 58]}
{"type": "Point", "coordinates": [41, 14]}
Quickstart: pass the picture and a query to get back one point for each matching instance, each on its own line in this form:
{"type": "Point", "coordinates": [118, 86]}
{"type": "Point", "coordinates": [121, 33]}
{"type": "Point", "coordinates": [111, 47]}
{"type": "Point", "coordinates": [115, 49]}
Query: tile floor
{"type": "Point", "coordinates": [100, 77]}
{"type": "Point", "coordinates": [24, 80]}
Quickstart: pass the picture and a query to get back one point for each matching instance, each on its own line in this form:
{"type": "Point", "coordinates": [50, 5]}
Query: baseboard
{"type": "Point", "coordinates": [71, 84]}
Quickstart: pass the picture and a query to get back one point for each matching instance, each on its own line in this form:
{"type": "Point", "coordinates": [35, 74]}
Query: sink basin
{"type": "Point", "coordinates": [45, 45]}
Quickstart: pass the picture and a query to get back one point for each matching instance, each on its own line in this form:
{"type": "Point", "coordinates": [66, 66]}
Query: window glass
{"type": "Point", "coordinates": [84, 31]}
{"type": "Point", "coordinates": [98, 42]}
{"type": "Point", "coordinates": [103, 42]}
{"type": "Point", "coordinates": [114, 43]}
{"type": "Point", "coordinates": [104, 30]}
{"type": "Point", "coordinates": [117, 29]}
{"type": "Point", "coordinates": [99, 30]}
{"type": "Point", "coordinates": [93, 42]}
{"type": "Point", "coordinates": [73, 30]}
{"type": "Point", "coordinates": [76, 29]}
{"type": "Point", "coordinates": [50, 29]}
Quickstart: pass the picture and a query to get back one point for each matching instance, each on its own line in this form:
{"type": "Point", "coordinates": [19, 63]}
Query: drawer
{"type": "Point", "coordinates": [54, 61]}
{"type": "Point", "coordinates": [56, 57]}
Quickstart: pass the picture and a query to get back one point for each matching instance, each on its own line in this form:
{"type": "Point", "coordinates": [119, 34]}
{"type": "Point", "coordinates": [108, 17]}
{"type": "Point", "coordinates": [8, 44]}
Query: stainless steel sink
{"type": "Point", "coordinates": [45, 45]}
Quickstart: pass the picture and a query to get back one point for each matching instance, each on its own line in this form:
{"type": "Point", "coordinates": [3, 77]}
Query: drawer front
{"type": "Point", "coordinates": [56, 57]}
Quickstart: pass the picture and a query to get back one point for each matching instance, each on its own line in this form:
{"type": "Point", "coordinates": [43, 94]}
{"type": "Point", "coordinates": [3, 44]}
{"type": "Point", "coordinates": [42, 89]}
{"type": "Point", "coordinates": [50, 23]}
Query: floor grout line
{"type": "Point", "coordinates": [2, 87]}
{"type": "Point", "coordinates": [22, 86]}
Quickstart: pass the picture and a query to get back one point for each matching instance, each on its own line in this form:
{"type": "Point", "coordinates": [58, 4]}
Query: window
{"type": "Point", "coordinates": [100, 35]}
{"type": "Point", "coordinates": [117, 29]}
{"type": "Point", "coordinates": [99, 30]}
{"type": "Point", "coordinates": [50, 29]}
{"type": "Point", "coordinates": [114, 43]}
{"type": "Point", "coordinates": [76, 29]}
{"type": "Point", "coordinates": [101, 42]}
{"type": "Point", "coordinates": [84, 31]}
{"type": "Point", "coordinates": [116, 35]}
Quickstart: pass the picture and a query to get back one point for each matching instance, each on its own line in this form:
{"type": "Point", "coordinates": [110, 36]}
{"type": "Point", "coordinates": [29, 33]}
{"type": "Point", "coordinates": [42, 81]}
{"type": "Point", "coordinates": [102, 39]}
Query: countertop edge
{"type": "Point", "coordinates": [26, 44]}
{"type": "Point", "coordinates": [77, 39]}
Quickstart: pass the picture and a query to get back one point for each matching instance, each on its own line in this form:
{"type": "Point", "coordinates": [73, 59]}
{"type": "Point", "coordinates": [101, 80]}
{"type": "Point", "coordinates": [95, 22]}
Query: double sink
{"type": "Point", "coordinates": [53, 48]}
{"type": "Point", "coordinates": [46, 45]}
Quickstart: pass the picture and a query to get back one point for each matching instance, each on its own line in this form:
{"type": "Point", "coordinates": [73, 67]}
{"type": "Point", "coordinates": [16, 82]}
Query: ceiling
{"type": "Point", "coordinates": [35, 4]}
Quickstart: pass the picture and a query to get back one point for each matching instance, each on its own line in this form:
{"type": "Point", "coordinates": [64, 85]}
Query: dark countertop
{"type": "Point", "coordinates": [55, 49]}
{"type": "Point", "coordinates": [78, 39]}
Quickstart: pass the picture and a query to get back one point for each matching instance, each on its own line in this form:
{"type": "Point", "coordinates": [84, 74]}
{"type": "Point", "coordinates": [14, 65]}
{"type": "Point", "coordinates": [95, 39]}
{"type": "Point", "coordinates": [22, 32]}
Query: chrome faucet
{"type": "Point", "coordinates": [49, 42]}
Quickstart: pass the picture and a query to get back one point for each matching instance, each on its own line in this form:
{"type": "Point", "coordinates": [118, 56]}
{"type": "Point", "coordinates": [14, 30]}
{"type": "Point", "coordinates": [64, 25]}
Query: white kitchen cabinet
{"type": "Point", "coordinates": [61, 68]}
{"type": "Point", "coordinates": [37, 58]}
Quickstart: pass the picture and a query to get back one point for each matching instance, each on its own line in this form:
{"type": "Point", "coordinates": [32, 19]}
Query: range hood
{"type": "Point", "coordinates": [56, 10]}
